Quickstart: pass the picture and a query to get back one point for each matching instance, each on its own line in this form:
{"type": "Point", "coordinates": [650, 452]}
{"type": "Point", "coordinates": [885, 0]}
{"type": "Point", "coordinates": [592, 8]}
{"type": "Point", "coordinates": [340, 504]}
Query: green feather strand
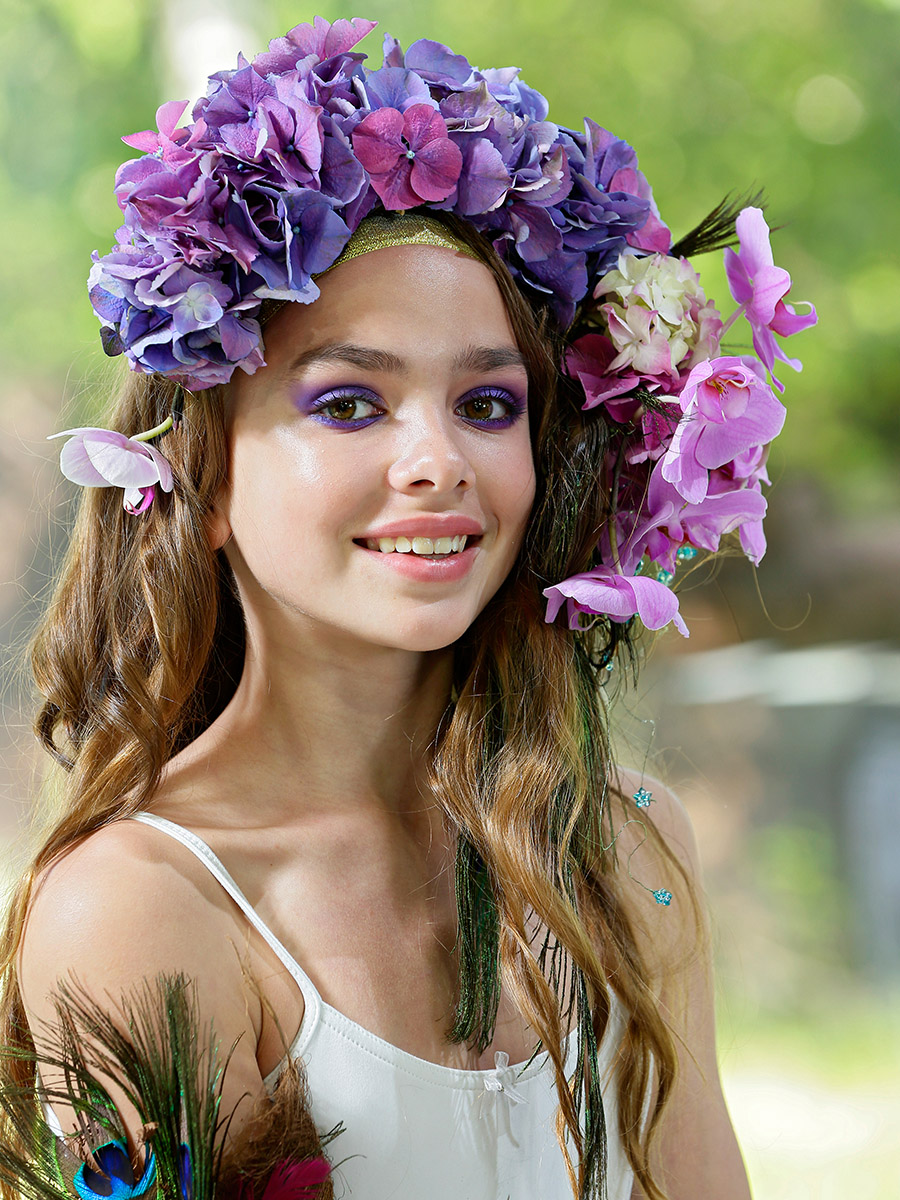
{"type": "Point", "coordinates": [589, 1095]}
{"type": "Point", "coordinates": [716, 231]}
{"type": "Point", "coordinates": [479, 927]}
{"type": "Point", "coordinates": [479, 950]}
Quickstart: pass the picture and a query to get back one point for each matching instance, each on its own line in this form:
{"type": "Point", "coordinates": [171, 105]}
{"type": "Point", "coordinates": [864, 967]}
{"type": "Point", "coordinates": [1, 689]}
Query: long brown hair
{"type": "Point", "coordinates": [142, 647]}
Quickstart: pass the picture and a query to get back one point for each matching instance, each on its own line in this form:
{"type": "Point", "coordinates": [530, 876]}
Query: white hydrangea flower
{"type": "Point", "coordinates": [678, 314]}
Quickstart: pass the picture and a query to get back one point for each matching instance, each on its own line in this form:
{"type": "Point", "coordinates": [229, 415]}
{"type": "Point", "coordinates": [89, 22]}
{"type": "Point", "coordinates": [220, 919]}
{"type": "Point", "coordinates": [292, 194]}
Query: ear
{"type": "Point", "coordinates": [218, 527]}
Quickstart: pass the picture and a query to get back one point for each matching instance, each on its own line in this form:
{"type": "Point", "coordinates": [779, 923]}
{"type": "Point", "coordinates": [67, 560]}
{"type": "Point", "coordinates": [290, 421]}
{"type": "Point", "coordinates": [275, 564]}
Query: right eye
{"type": "Point", "coordinates": [346, 408]}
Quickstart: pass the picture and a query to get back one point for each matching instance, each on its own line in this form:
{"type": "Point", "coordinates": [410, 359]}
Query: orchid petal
{"type": "Point", "coordinates": [753, 233]}
{"type": "Point", "coordinates": [163, 466]}
{"type": "Point", "coordinates": [788, 321]}
{"type": "Point", "coordinates": [138, 500]}
{"type": "Point", "coordinates": [120, 466]}
{"type": "Point", "coordinates": [616, 596]}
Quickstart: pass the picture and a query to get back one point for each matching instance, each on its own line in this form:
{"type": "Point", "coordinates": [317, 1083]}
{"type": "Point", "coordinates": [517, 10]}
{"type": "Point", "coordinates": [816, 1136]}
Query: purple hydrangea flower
{"type": "Point", "coordinates": [434, 62]}
{"type": "Point", "coordinates": [315, 236]}
{"type": "Point", "coordinates": [506, 86]}
{"type": "Point", "coordinates": [320, 42]}
{"type": "Point", "coordinates": [611, 204]}
{"type": "Point", "coordinates": [396, 87]}
{"type": "Point", "coordinates": [232, 112]}
{"type": "Point", "coordinates": [168, 143]}
{"type": "Point", "coordinates": [293, 140]}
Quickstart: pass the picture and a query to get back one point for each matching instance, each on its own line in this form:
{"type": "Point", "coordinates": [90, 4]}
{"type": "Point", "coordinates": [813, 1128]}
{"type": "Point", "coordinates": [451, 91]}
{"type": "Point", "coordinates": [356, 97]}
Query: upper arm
{"type": "Point", "coordinates": [696, 1150]}
{"type": "Point", "coordinates": [114, 911]}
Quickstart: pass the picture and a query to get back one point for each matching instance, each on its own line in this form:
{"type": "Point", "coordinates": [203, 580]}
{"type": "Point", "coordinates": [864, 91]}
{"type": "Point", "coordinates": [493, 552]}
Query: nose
{"type": "Point", "coordinates": [430, 457]}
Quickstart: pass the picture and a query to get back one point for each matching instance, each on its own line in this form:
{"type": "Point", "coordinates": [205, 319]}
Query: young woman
{"type": "Point", "coordinates": [326, 754]}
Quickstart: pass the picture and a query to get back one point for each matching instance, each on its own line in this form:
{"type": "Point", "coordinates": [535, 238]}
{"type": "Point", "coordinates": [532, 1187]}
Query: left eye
{"type": "Point", "coordinates": [486, 408]}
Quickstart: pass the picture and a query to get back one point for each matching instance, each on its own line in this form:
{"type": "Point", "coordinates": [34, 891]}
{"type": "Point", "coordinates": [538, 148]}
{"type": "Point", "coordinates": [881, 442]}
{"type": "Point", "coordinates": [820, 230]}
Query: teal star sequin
{"type": "Point", "coordinates": [643, 798]}
{"type": "Point", "coordinates": [661, 896]}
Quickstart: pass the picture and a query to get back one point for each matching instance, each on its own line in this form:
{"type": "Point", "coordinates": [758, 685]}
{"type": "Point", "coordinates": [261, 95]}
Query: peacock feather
{"type": "Point", "coordinates": [152, 1049]}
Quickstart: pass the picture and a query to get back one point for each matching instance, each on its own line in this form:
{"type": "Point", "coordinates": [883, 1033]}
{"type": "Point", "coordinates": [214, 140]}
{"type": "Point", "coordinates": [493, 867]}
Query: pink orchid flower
{"type": "Point", "coordinates": [409, 155]}
{"type": "Point", "coordinates": [759, 288]}
{"type": "Point", "coordinates": [605, 592]}
{"type": "Point", "coordinates": [727, 410]}
{"type": "Point", "coordinates": [104, 458]}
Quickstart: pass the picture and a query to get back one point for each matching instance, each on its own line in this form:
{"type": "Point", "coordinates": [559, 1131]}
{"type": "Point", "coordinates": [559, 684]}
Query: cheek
{"type": "Point", "coordinates": [282, 480]}
{"type": "Point", "coordinates": [519, 488]}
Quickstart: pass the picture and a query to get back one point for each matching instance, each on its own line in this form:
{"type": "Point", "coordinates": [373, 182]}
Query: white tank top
{"type": "Point", "coordinates": [416, 1130]}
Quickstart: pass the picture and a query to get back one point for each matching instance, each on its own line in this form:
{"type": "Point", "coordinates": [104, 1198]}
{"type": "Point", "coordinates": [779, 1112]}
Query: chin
{"type": "Point", "coordinates": [426, 638]}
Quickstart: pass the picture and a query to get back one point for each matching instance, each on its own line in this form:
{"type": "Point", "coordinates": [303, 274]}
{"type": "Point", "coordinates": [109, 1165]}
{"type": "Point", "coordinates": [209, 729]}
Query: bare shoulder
{"type": "Point", "coordinates": [661, 885]}
{"type": "Point", "coordinates": [123, 906]}
{"type": "Point", "coordinates": [667, 813]}
{"type": "Point", "coordinates": [695, 1153]}
{"type": "Point", "coordinates": [120, 906]}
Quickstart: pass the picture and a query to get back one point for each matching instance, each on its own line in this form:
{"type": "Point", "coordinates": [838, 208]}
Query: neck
{"type": "Point", "coordinates": [344, 725]}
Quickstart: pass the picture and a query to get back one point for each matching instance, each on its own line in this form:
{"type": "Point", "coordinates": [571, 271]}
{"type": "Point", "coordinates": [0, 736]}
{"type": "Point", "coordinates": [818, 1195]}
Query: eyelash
{"type": "Point", "coordinates": [514, 408]}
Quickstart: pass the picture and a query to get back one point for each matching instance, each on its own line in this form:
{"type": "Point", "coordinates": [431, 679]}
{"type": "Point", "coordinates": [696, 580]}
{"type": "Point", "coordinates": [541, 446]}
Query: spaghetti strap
{"type": "Point", "coordinates": [216, 868]}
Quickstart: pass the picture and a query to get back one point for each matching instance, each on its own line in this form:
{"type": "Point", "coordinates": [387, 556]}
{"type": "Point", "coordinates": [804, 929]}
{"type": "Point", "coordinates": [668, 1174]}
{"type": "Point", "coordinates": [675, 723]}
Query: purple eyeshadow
{"type": "Point", "coordinates": [313, 403]}
{"type": "Point", "coordinates": [516, 406]}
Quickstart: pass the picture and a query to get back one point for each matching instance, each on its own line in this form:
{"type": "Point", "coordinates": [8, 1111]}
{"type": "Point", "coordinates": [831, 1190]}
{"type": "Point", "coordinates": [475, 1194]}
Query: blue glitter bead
{"type": "Point", "coordinates": [686, 553]}
{"type": "Point", "coordinates": [661, 896]}
{"type": "Point", "coordinates": [665, 577]}
{"type": "Point", "coordinates": [639, 568]}
{"type": "Point", "coordinates": [642, 798]}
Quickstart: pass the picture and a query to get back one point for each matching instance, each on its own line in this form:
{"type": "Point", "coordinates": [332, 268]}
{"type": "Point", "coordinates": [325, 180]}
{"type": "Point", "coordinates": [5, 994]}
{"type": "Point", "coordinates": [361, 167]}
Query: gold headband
{"type": "Point", "coordinates": [402, 229]}
{"type": "Point", "coordinates": [380, 231]}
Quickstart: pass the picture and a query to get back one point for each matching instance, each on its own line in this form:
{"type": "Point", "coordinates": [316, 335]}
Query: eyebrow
{"type": "Point", "coordinates": [473, 358]}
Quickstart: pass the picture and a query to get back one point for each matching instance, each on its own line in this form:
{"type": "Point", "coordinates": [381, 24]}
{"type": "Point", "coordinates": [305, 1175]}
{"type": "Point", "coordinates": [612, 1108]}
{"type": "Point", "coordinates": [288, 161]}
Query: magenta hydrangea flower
{"type": "Point", "coordinates": [409, 155]}
{"type": "Point", "coordinates": [588, 359]}
{"type": "Point", "coordinates": [759, 288]}
{"type": "Point", "coordinates": [104, 458]}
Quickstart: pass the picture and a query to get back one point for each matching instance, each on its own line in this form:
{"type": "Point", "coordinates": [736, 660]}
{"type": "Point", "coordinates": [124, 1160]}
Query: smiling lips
{"type": "Point", "coordinates": [436, 550]}
{"type": "Point", "coordinates": [433, 537]}
{"type": "Point", "coordinates": [423, 546]}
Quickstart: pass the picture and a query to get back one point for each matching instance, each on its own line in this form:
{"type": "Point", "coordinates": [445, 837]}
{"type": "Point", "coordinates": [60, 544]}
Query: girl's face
{"type": "Point", "coordinates": [381, 473]}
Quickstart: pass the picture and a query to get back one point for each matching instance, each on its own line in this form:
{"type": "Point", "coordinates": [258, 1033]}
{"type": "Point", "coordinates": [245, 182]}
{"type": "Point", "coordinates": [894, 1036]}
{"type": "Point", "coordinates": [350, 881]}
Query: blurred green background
{"type": "Point", "coordinates": [779, 723]}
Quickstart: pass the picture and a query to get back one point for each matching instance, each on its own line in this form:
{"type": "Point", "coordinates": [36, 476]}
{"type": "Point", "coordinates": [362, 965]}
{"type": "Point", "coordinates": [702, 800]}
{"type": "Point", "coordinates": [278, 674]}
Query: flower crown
{"type": "Point", "coordinates": [287, 155]}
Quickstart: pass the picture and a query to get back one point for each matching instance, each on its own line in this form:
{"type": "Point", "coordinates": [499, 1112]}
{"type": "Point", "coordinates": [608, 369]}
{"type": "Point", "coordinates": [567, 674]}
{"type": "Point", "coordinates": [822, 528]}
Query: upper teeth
{"type": "Point", "coordinates": [418, 545]}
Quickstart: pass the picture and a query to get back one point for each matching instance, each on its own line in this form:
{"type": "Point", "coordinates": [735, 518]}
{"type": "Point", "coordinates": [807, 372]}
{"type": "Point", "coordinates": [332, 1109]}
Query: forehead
{"type": "Point", "coordinates": [421, 302]}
